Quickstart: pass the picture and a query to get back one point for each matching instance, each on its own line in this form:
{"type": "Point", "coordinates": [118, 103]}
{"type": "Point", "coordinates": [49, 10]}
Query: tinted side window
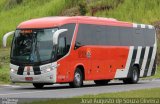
{"type": "Point", "coordinates": [98, 35]}
{"type": "Point", "coordinates": [114, 36]}
{"type": "Point", "coordinates": [126, 36]}
{"type": "Point", "coordinates": [149, 35]}
{"type": "Point", "coordinates": [85, 34]}
{"type": "Point", "coordinates": [68, 35]}
{"type": "Point", "coordinates": [138, 37]}
{"type": "Point", "coordinates": [108, 35]}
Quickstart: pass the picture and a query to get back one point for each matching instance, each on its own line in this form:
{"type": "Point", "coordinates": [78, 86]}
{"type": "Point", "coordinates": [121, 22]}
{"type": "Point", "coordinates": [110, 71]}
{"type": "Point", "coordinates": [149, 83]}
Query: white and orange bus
{"type": "Point", "coordinates": [74, 49]}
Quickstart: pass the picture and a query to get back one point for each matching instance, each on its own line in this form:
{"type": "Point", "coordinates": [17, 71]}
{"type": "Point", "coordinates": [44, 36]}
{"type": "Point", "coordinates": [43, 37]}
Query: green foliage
{"type": "Point", "coordinates": [26, 10]}
{"type": "Point", "coordinates": [82, 8]}
{"type": "Point", "coordinates": [4, 65]}
{"type": "Point", "coordinates": [74, 11]}
{"type": "Point", "coordinates": [94, 6]}
{"type": "Point", "coordinates": [145, 93]}
{"type": "Point", "coordinates": [2, 4]}
{"type": "Point", "coordinates": [141, 11]}
{"type": "Point", "coordinates": [4, 75]}
{"type": "Point", "coordinates": [58, 101]}
{"type": "Point", "coordinates": [12, 3]}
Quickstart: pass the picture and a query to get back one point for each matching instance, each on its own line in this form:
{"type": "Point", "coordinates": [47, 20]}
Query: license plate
{"type": "Point", "coordinates": [28, 78]}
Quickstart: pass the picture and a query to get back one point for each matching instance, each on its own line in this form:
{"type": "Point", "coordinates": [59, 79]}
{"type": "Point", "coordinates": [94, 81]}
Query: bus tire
{"type": "Point", "coordinates": [101, 82]}
{"type": "Point", "coordinates": [78, 79]}
{"type": "Point", "coordinates": [134, 76]}
{"type": "Point", "coordinates": [38, 85]}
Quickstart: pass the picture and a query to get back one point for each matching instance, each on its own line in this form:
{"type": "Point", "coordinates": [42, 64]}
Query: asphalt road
{"type": "Point", "coordinates": [64, 91]}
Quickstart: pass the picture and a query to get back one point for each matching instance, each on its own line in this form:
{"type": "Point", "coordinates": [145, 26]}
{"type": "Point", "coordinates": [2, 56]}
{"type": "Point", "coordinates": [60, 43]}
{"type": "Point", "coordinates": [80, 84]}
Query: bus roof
{"type": "Point", "coordinates": [49, 22]}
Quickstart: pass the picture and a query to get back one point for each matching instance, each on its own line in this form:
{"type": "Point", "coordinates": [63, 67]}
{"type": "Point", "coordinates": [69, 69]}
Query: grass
{"type": "Point", "coordinates": [4, 65]}
{"type": "Point", "coordinates": [145, 93]}
{"type": "Point", "coordinates": [135, 94]}
{"type": "Point", "coordinates": [28, 9]}
{"type": "Point", "coordinates": [2, 3]}
{"type": "Point", "coordinates": [141, 11]}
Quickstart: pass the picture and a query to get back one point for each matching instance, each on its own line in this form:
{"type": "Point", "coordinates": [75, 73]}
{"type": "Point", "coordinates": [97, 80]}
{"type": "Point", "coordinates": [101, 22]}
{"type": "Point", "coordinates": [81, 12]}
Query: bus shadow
{"type": "Point", "coordinates": [66, 86]}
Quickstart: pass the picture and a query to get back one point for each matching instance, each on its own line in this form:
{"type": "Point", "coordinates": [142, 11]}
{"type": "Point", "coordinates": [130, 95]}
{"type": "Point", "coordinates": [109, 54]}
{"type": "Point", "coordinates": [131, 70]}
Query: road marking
{"type": "Point", "coordinates": [9, 86]}
{"type": "Point", "coordinates": [21, 93]}
{"type": "Point", "coordinates": [15, 86]}
{"type": "Point", "coordinates": [6, 85]}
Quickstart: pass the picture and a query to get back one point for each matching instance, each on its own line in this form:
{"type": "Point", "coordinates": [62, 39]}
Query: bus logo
{"type": "Point", "coordinates": [88, 54]}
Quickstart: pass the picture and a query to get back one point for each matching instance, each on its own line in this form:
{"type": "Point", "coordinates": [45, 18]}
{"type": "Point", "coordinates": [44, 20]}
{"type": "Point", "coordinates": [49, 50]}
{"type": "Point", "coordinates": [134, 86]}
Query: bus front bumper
{"type": "Point", "coordinates": [49, 77]}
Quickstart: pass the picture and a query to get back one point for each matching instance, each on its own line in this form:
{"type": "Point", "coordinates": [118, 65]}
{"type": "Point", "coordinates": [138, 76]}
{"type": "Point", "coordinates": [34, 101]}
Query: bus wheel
{"type": "Point", "coordinates": [78, 79]}
{"type": "Point", "coordinates": [101, 82]}
{"type": "Point", "coordinates": [38, 85]}
{"type": "Point", "coordinates": [134, 76]}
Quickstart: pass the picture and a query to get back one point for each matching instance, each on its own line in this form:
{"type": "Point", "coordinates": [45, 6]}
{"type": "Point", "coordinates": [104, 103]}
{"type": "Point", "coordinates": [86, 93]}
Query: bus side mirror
{"type": "Point", "coordinates": [6, 36]}
{"type": "Point", "coordinates": [56, 35]}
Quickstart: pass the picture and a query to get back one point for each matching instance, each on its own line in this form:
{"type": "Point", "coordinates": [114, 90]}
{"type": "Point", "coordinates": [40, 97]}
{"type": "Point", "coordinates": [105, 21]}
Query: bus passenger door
{"type": "Point", "coordinates": [83, 55]}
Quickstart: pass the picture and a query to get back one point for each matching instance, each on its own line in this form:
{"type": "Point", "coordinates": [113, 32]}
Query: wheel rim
{"type": "Point", "coordinates": [135, 75]}
{"type": "Point", "coordinates": [77, 78]}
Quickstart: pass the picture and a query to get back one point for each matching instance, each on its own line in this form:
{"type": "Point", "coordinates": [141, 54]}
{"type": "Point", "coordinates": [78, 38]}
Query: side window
{"type": "Point", "coordinates": [126, 36]}
{"type": "Point", "coordinates": [68, 35]}
{"type": "Point", "coordinates": [85, 34]}
{"type": "Point", "coordinates": [149, 35]}
{"type": "Point", "coordinates": [112, 35]}
{"type": "Point", "coordinates": [138, 37]}
{"type": "Point", "coordinates": [97, 35]}
{"type": "Point", "coordinates": [108, 35]}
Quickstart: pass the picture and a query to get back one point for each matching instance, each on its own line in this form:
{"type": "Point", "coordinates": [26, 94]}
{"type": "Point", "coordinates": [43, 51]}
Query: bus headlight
{"type": "Point", "coordinates": [48, 69]}
{"type": "Point", "coordinates": [13, 70]}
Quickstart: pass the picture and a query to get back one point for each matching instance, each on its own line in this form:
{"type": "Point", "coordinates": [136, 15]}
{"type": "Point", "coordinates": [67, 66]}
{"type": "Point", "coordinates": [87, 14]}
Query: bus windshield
{"type": "Point", "coordinates": [31, 46]}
